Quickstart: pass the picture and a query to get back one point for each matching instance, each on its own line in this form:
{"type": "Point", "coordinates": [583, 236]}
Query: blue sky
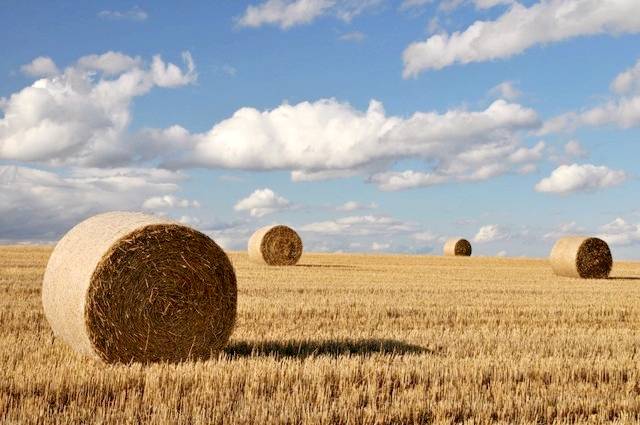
{"type": "Point", "coordinates": [368, 125]}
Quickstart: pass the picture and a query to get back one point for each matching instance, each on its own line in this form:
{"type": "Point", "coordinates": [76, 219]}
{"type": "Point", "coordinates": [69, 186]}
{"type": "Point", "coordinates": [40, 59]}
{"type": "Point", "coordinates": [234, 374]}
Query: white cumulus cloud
{"type": "Point", "coordinates": [476, 164]}
{"type": "Point", "coordinates": [330, 139]}
{"type": "Point", "coordinates": [262, 202]}
{"type": "Point", "coordinates": [289, 13]}
{"type": "Point", "coordinates": [81, 116]}
{"type": "Point", "coordinates": [426, 237]}
{"type": "Point", "coordinates": [365, 225]}
{"type": "Point", "coordinates": [355, 206]}
{"type": "Point", "coordinates": [564, 229]}
{"type": "Point", "coordinates": [38, 204]}
{"type": "Point", "coordinates": [622, 110]}
{"type": "Point", "coordinates": [620, 232]}
{"type": "Point", "coordinates": [168, 201]}
{"type": "Point", "coordinates": [109, 63]}
{"type": "Point", "coordinates": [491, 233]}
{"type": "Point", "coordinates": [520, 28]}
{"type": "Point", "coordinates": [363, 233]}
{"type": "Point", "coordinates": [578, 178]}
{"type": "Point", "coordinates": [380, 246]}
{"type": "Point", "coordinates": [166, 74]}
{"type": "Point", "coordinates": [506, 90]}
{"type": "Point", "coordinates": [400, 180]}
{"type": "Point", "coordinates": [573, 148]}
{"type": "Point", "coordinates": [628, 81]}
{"type": "Point", "coordinates": [42, 66]}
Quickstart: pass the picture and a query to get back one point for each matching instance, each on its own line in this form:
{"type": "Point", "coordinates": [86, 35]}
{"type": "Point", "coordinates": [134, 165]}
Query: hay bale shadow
{"type": "Point", "coordinates": [328, 266]}
{"type": "Point", "coordinates": [331, 348]}
{"type": "Point", "coordinates": [623, 278]}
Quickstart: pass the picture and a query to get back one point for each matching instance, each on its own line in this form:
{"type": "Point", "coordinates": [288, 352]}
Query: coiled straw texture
{"type": "Point", "coordinates": [275, 246]}
{"type": "Point", "coordinates": [128, 287]}
{"type": "Point", "coordinates": [457, 247]}
{"type": "Point", "coordinates": [580, 256]}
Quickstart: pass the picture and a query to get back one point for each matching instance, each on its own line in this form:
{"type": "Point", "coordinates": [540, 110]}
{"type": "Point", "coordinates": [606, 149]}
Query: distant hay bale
{"type": "Point", "coordinates": [579, 256]}
{"type": "Point", "coordinates": [275, 246]}
{"type": "Point", "coordinates": [128, 287]}
{"type": "Point", "coordinates": [457, 247]}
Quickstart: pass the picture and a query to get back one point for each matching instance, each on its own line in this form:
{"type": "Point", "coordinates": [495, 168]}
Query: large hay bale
{"type": "Point", "coordinates": [129, 287]}
{"type": "Point", "coordinates": [275, 246]}
{"type": "Point", "coordinates": [580, 256]}
{"type": "Point", "coordinates": [457, 247]}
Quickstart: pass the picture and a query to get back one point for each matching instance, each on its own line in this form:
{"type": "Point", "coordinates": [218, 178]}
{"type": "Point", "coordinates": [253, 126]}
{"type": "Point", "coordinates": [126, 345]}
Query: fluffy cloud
{"type": "Point", "coordinates": [168, 201]}
{"type": "Point", "coordinates": [288, 13]}
{"type": "Point", "coordinates": [81, 116]}
{"type": "Point", "coordinates": [379, 246]}
{"type": "Point", "coordinates": [165, 74]}
{"type": "Point", "coordinates": [37, 204]}
{"type": "Point", "coordinates": [361, 232]}
{"type": "Point", "coordinates": [578, 178]}
{"type": "Point", "coordinates": [476, 164]}
{"type": "Point", "coordinates": [619, 232]}
{"type": "Point", "coordinates": [110, 63]}
{"type": "Point", "coordinates": [427, 237]}
{"type": "Point", "coordinates": [318, 175]}
{"type": "Point", "coordinates": [564, 229]}
{"type": "Point", "coordinates": [284, 14]}
{"type": "Point", "coordinates": [408, 179]}
{"type": "Point", "coordinates": [189, 220]}
{"type": "Point", "coordinates": [346, 10]}
{"type": "Point", "coordinates": [573, 148]}
{"type": "Point", "coordinates": [521, 28]}
{"type": "Point", "coordinates": [627, 81]}
{"type": "Point", "coordinates": [491, 233]}
{"type": "Point", "coordinates": [506, 90]}
{"type": "Point", "coordinates": [353, 233]}
{"type": "Point", "coordinates": [328, 139]}
{"type": "Point", "coordinates": [623, 110]}
{"type": "Point", "coordinates": [133, 14]}
{"type": "Point", "coordinates": [355, 206]}
{"type": "Point", "coordinates": [42, 66]}
{"type": "Point", "coordinates": [357, 234]}
{"type": "Point", "coordinates": [366, 225]}
{"type": "Point", "coordinates": [262, 202]}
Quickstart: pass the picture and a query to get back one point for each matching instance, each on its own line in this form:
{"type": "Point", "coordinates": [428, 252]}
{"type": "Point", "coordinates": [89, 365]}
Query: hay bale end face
{"type": "Point", "coordinates": [128, 287]}
{"type": "Point", "coordinates": [275, 246]}
{"type": "Point", "coordinates": [583, 257]}
{"type": "Point", "coordinates": [457, 247]}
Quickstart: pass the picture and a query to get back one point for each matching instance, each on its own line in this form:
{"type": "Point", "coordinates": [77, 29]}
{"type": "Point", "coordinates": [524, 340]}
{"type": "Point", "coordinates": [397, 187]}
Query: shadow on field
{"type": "Point", "coordinates": [623, 278]}
{"type": "Point", "coordinates": [331, 348]}
{"type": "Point", "coordinates": [327, 266]}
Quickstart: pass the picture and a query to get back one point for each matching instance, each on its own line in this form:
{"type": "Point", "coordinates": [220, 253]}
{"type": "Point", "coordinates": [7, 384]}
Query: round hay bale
{"type": "Point", "coordinates": [275, 246]}
{"type": "Point", "coordinates": [457, 247]}
{"type": "Point", "coordinates": [580, 256]}
{"type": "Point", "coordinates": [129, 287]}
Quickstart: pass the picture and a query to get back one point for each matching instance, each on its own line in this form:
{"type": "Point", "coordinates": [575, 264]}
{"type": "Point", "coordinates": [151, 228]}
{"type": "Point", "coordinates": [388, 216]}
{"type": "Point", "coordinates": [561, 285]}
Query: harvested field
{"type": "Point", "coordinates": [354, 339]}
